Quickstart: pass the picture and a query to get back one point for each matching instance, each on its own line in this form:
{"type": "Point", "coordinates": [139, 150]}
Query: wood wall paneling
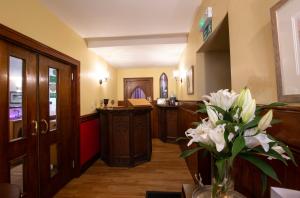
{"type": "Point", "coordinates": [89, 140]}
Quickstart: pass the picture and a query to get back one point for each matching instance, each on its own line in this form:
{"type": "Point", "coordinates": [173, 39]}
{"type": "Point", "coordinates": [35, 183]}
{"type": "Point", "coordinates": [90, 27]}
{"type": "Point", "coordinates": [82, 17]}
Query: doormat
{"type": "Point", "coordinates": [158, 194]}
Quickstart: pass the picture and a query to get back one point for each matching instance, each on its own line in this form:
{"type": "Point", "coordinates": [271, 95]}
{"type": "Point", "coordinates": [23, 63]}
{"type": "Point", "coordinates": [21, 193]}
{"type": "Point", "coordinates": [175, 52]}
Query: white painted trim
{"type": "Point", "coordinates": [176, 38]}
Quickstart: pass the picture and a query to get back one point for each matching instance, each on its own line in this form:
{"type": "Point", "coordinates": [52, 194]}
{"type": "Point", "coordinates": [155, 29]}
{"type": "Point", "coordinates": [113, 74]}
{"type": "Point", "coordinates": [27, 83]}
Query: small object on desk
{"type": "Point", "coordinates": [172, 101]}
{"type": "Point", "coordinates": [284, 192]}
{"type": "Point", "coordinates": [112, 102]}
{"type": "Point", "coordinates": [105, 102]}
{"type": "Point", "coordinates": [161, 101]}
{"type": "Point", "coordinates": [139, 102]}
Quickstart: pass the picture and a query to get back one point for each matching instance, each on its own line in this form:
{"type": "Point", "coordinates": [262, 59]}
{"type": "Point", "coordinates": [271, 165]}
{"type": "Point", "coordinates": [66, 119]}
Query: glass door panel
{"type": "Point", "coordinates": [16, 72]}
{"type": "Point", "coordinates": [52, 99]}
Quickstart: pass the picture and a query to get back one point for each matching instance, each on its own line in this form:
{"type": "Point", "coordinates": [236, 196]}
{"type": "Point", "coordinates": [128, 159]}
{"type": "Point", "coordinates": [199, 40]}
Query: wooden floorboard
{"type": "Point", "coordinates": [165, 172]}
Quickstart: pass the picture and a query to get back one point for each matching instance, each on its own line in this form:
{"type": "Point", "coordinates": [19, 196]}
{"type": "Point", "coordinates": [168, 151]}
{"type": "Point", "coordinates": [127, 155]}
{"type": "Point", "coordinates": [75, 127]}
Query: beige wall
{"type": "Point", "coordinates": [154, 72]}
{"type": "Point", "coordinates": [190, 56]}
{"type": "Point", "coordinates": [251, 48]}
{"type": "Point", "coordinates": [31, 18]}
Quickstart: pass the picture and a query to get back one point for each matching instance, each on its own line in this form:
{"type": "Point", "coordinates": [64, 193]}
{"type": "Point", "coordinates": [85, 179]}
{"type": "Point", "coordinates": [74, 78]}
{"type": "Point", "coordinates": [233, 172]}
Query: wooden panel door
{"type": "Point", "coordinates": [56, 146]}
{"type": "Point", "coordinates": [18, 131]}
{"type": "Point", "coordinates": [131, 84]}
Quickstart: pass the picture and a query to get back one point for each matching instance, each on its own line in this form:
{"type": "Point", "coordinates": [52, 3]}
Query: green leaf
{"type": "Point", "coordinates": [288, 151]}
{"type": "Point", "coordinates": [271, 153]}
{"type": "Point", "coordinates": [253, 123]}
{"type": "Point", "coordinates": [264, 181]}
{"type": "Point", "coordinates": [189, 152]}
{"type": "Point", "coordinates": [237, 147]}
{"type": "Point", "coordinates": [202, 108]}
{"type": "Point", "coordinates": [181, 138]}
{"type": "Point", "coordinates": [218, 109]}
{"type": "Point", "coordinates": [274, 104]}
{"type": "Point", "coordinates": [222, 122]}
{"type": "Point", "coordinates": [263, 166]}
{"type": "Point", "coordinates": [195, 123]}
{"type": "Point", "coordinates": [220, 166]}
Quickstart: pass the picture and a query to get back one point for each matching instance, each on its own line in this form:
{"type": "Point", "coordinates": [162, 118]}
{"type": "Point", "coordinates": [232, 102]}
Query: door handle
{"type": "Point", "coordinates": [35, 127]}
{"type": "Point", "coordinates": [46, 126]}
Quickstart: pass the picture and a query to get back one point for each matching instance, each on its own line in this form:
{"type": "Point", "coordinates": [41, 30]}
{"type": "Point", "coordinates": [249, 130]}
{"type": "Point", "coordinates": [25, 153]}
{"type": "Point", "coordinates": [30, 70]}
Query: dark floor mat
{"type": "Point", "coordinates": [157, 194]}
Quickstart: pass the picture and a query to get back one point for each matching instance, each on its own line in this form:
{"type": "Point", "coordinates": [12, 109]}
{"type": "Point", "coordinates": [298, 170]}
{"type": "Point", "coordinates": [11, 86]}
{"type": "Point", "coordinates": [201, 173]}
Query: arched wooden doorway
{"type": "Point", "coordinates": [138, 88]}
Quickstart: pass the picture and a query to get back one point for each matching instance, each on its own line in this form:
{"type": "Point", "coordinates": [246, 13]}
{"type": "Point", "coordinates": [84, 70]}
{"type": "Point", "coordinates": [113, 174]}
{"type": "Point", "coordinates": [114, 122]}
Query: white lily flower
{"type": "Point", "coordinates": [212, 115]}
{"type": "Point", "coordinates": [265, 121]}
{"type": "Point", "coordinates": [236, 128]}
{"type": "Point", "coordinates": [248, 111]}
{"type": "Point", "coordinates": [200, 134]}
{"type": "Point", "coordinates": [222, 98]}
{"type": "Point", "coordinates": [279, 150]}
{"type": "Point", "coordinates": [260, 139]}
{"type": "Point", "coordinates": [230, 137]}
{"type": "Point", "coordinates": [217, 136]}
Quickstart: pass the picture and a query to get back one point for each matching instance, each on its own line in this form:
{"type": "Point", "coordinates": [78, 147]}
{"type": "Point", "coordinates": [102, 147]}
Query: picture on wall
{"type": "Point", "coordinates": [15, 98]}
{"type": "Point", "coordinates": [190, 81]}
{"type": "Point", "coordinates": [286, 38]}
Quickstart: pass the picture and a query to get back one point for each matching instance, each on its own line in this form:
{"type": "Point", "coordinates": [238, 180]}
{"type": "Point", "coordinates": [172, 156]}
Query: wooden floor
{"type": "Point", "coordinates": [165, 172]}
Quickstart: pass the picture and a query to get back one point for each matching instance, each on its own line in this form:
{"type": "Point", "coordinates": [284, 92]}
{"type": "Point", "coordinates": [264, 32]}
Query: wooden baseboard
{"type": "Point", "coordinates": [89, 163]}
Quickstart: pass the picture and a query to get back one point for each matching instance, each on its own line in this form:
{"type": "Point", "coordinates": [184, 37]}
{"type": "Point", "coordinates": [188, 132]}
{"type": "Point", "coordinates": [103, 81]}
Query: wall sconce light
{"type": "Point", "coordinates": [103, 78]}
{"type": "Point", "coordinates": [179, 75]}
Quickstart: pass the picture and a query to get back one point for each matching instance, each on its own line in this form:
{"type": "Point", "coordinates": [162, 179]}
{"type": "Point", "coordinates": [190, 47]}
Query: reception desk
{"type": "Point", "coordinates": [125, 135]}
{"type": "Point", "coordinates": [168, 123]}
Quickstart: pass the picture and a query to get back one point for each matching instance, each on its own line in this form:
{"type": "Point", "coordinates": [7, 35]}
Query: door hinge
{"type": "Point", "coordinates": [73, 164]}
{"type": "Point", "coordinates": [72, 76]}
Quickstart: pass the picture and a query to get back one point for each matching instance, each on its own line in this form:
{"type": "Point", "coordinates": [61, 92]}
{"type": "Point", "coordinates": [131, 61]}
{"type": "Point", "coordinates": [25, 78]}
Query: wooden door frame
{"type": "Point", "coordinates": [20, 40]}
{"type": "Point", "coordinates": [136, 79]}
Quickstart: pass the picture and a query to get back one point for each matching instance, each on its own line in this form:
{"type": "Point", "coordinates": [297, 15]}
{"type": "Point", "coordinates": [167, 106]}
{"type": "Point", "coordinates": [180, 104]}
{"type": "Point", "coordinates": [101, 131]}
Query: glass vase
{"type": "Point", "coordinates": [222, 184]}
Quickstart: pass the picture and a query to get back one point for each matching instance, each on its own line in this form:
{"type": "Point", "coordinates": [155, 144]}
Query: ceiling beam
{"type": "Point", "coordinates": [175, 38]}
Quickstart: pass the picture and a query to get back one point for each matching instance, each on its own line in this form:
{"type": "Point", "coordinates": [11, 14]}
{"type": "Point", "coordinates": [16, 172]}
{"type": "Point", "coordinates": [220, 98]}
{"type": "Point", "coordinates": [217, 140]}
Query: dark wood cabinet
{"type": "Point", "coordinates": [168, 123]}
{"type": "Point", "coordinates": [125, 135]}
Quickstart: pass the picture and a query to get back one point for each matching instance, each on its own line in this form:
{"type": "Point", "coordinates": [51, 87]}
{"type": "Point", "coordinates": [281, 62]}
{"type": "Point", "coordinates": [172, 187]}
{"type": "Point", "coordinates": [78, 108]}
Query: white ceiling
{"type": "Point", "coordinates": [142, 55]}
{"type": "Point", "coordinates": [123, 18]}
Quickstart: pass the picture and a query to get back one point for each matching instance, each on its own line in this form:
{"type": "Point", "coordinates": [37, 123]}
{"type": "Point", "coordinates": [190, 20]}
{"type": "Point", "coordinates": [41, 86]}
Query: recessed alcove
{"type": "Point", "coordinates": [214, 59]}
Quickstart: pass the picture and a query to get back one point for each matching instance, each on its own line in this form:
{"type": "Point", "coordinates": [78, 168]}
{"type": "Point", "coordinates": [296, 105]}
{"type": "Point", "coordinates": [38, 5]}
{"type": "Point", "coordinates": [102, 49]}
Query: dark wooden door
{"type": "Point", "coordinates": [132, 84]}
{"type": "Point", "coordinates": [56, 148]}
{"type": "Point", "coordinates": [18, 119]}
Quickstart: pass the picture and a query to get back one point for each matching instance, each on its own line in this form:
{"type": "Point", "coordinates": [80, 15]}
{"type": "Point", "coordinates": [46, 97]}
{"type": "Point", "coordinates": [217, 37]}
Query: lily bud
{"type": "Point", "coordinates": [248, 111]}
{"type": "Point", "coordinates": [265, 121]}
{"type": "Point", "coordinates": [212, 115]}
{"type": "Point", "coordinates": [240, 99]}
{"type": "Point", "coordinates": [244, 98]}
{"type": "Point", "coordinates": [247, 97]}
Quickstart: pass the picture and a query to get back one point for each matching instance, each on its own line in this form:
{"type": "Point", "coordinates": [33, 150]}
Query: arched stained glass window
{"type": "Point", "coordinates": [138, 93]}
{"type": "Point", "coordinates": [163, 82]}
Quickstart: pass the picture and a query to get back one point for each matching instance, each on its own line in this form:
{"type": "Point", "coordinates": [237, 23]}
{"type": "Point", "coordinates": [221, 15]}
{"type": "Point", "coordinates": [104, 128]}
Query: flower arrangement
{"type": "Point", "coordinates": [235, 127]}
